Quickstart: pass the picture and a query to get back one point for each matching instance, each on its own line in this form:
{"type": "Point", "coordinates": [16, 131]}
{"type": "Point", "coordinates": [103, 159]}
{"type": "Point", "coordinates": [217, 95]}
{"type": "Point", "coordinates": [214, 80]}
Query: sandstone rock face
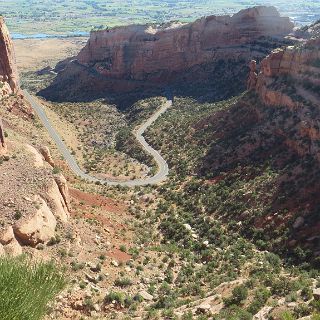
{"type": "Point", "coordinates": [141, 56]}
{"type": "Point", "coordinates": [38, 161]}
{"type": "Point", "coordinates": [45, 151]}
{"type": "Point", "coordinates": [9, 78]}
{"type": "Point", "coordinates": [38, 228]}
{"type": "Point", "coordinates": [253, 77]}
{"type": "Point", "coordinates": [298, 65]}
{"type": "Point", "coordinates": [57, 200]}
{"type": "Point", "coordinates": [64, 190]}
{"type": "Point", "coordinates": [8, 70]}
{"type": "Point", "coordinates": [8, 242]}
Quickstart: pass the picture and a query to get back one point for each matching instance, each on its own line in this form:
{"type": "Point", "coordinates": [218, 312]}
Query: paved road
{"type": "Point", "coordinates": [163, 169]}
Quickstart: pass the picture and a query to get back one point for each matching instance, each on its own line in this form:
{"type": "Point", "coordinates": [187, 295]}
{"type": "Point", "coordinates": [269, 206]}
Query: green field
{"type": "Point", "coordinates": [63, 16]}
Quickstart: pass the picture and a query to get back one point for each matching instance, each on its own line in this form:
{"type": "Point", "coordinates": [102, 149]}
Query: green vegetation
{"type": "Point", "coordinates": [27, 288]}
{"type": "Point", "coordinates": [125, 140]}
{"type": "Point", "coordinates": [205, 214]}
{"type": "Point", "coordinates": [61, 17]}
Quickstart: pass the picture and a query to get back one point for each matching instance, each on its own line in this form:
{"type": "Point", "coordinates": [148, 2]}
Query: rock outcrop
{"type": "Point", "coordinates": [290, 76]}
{"type": "Point", "coordinates": [145, 56]}
{"type": "Point", "coordinates": [39, 228]}
{"type": "Point", "coordinates": [11, 96]}
{"type": "Point", "coordinates": [64, 190]}
{"type": "Point", "coordinates": [45, 151]}
{"type": "Point", "coordinates": [57, 195]}
{"type": "Point", "coordinates": [37, 158]}
{"type": "Point", "coordinates": [32, 199]}
{"type": "Point", "coordinates": [8, 69]}
{"type": "Point", "coordinates": [253, 77]}
{"type": "Point", "coordinates": [8, 242]}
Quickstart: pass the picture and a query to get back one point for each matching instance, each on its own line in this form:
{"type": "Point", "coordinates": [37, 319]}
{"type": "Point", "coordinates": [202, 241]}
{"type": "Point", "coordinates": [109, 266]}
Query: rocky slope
{"type": "Point", "coordinates": [32, 199]}
{"type": "Point", "coordinates": [147, 56]}
{"type": "Point", "coordinates": [274, 130]}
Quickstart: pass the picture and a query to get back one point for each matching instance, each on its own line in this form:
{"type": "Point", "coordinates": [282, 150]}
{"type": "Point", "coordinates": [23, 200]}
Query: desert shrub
{"type": "Point", "coordinates": [302, 310]}
{"type": "Point", "coordinates": [27, 288]}
{"type": "Point", "coordinates": [260, 298]}
{"type": "Point", "coordinates": [120, 298]}
{"type": "Point", "coordinates": [287, 316]}
{"type": "Point", "coordinates": [239, 294]}
{"type": "Point", "coordinates": [123, 282]}
{"type": "Point", "coordinates": [306, 293]}
{"type": "Point", "coordinates": [236, 313]}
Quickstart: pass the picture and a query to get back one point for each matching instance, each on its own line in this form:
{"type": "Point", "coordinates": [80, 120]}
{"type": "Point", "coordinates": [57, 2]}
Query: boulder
{"type": "Point", "coordinates": [2, 252]}
{"type": "Point", "coordinates": [37, 228]}
{"type": "Point", "coordinates": [38, 162]}
{"type": "Point", "coordinates": [9, 243]}
{"type": "Point", "coordinates": [13, 248]}
{"type": "Point", "coordinates": [203, 308]}
{"type": "Point", "coordinates": [262, 314]}
{"type": "Point", "coordinates": [6, 235]}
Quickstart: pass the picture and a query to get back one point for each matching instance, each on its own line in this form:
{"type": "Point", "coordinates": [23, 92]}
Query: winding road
{"type": "Point", "coordinates": [163, 168]}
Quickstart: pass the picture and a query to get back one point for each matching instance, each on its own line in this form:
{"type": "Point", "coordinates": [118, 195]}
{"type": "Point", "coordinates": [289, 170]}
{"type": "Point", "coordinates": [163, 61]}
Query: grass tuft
{"type": "Point", "coordinates": [27, 288]}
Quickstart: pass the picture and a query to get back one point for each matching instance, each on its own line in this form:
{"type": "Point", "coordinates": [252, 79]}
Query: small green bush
{"type": "Point", "coordinates": [27, 288]}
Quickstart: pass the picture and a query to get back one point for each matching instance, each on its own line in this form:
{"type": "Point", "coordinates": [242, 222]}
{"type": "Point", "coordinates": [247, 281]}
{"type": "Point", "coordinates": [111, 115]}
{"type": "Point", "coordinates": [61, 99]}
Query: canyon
{"type": "Point", "coordinates": [233, 232]}
{"type": "Point", "coordinates": [146, 57]}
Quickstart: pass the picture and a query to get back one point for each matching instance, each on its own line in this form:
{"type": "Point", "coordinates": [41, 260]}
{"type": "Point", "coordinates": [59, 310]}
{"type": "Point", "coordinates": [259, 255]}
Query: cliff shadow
{"type": "Point", "coordinates": [208, 82]}
{"type": "Point", "coordinates": [267, 172]}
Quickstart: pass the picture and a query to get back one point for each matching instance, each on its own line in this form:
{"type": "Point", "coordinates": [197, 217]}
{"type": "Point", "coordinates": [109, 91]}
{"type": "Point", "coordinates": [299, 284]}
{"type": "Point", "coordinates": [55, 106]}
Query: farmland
{"type": "Point", "coordinates": [65, 16]}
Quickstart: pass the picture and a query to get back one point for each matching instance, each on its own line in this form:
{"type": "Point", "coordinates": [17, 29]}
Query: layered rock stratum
{"type": "Point", "coordinates": [144, 56]}
{"type": "Point", "coordinates": [295, 68]}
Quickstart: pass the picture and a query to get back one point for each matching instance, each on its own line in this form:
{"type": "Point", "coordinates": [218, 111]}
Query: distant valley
{"type": "Point", "coordinates": [64, 17]}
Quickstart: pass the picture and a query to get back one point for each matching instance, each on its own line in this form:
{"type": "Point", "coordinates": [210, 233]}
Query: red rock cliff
{"type": "Point", "coordinates": [9, 78]}
{"type": "Point", "coordinates": [290, 76]}
{"type": "Point", "coordinates": [126, 58]}
{"type": "Point", "coordinates": [146, 52]}
{"type": "Point", "coordinates": [8, 70]}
